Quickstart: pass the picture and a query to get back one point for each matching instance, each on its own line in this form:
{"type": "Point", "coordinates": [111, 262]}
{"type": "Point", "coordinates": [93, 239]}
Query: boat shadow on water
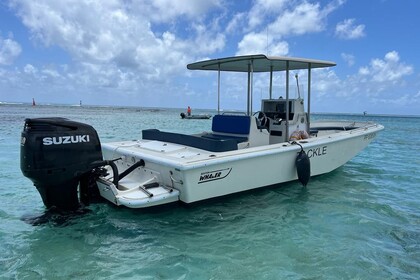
{"type": "Point", "coordinates": [55, 217]}
{"type": "Point", "coordinates": [59, 218]}
{"type": "Point", "coordinates": [279, 193]}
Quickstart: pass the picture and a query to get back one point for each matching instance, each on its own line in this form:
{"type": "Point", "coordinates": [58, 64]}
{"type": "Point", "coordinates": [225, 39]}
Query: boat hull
{"type": "Point", "coordinates": [197, 117]}
{"type": "Point", "coordinates": [200, 175]}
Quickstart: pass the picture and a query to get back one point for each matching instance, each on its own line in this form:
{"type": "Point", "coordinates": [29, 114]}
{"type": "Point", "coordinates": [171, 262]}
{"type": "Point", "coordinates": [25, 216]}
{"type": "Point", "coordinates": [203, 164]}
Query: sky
{"type": "Point", "coordinates": [135, 52]}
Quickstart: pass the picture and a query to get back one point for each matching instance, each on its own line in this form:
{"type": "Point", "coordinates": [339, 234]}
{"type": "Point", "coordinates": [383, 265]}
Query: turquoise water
{"type": "Point", "coordinates": [361, 221]}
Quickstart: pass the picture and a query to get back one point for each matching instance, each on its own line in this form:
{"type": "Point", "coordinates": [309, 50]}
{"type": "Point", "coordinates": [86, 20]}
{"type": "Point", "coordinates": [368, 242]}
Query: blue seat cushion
{"type": "Point", "coordinates": [231, 124]}
{"type": "Point", "coordinates": [225, 137]}
{"type": "Point", "coordinates": [208, 144]}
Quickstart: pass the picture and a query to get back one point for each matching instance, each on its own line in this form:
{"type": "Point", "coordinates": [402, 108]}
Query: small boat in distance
{"type": "Point", "coordinates": [195, 117]}
{"type": "Point", "coordinates": [33, 102]}
{"type": "Point", "coordinates": [277, 144]}
{"type": "Point", "coordinates": [77, 105]}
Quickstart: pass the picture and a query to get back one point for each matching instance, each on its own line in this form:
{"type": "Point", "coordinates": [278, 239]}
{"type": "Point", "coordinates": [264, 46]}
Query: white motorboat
{"type": "Point", "coordinates": [277, 144]}
{"type": "Point", "coordinates": [195, 117]}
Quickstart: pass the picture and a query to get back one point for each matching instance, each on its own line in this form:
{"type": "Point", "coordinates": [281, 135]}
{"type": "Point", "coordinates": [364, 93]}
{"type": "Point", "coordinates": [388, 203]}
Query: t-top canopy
{"type": "Point", "coordinates": [260, 63]}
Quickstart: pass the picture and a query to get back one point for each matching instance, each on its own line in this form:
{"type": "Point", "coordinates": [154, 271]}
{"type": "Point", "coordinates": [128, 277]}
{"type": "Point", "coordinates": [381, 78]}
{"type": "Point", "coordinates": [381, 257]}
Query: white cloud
{"type": "Point", "coordinates": [168, 10]}
{"type": "Point", "coordinates": [346, 29]}
{"type": "Point", "coordinates": [387, 70]}
{"type": "Point", "coordinates": [380, 86]}
{"type": "Point", "coordinates": [402, 100]}
{"type": "Point", "coordinates": [325, 82]}
{"type": "Point", "coordinates": [304, 18]}
{"type": "Point", "coordinates": [278, 48]}
{"type": "Point", "coordinates": [9, 51]}
{"type": "Point", "coordinates": [361, 92]}
{"type": "Point", "coordinates": [207, 39]}
{"type": "Point", "coordinates": [263, 8]}
{"type": "Point", "coordinates": [30, 69]}
{"type": "Point", "coordinates": [50, 72]}
{"type": "Point", "coordinates": [348, 58]}
{"type": "Point", "coordinates": [253, 43]}
{"type": "Point", "coordinates": [236, 23]}
{"type": "Point", "coordinates": [120, 34]}
{"type": "Point", "coordinates": [283, 18]}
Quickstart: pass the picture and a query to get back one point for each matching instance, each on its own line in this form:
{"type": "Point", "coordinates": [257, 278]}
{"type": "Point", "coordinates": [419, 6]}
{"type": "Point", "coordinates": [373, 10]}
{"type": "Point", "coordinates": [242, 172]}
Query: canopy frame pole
{"type": "Point", "coordinates": [218, 88]}
{"type": "Point", "coordinates": [309, 98]}
{"type": "Point", "coordinates": [287, 101]}
{"type": "Point", "coordinates": [250, 85]}
{"type": "Point", "coordinates": [271, 81]}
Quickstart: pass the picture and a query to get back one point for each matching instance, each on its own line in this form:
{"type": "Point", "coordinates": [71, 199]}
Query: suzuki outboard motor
{"type": "Point", "coordinates": [56, 154]}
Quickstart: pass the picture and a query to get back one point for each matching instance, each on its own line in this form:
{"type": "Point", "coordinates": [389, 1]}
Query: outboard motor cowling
{"type": "Point", "coordinates": [55, 154]}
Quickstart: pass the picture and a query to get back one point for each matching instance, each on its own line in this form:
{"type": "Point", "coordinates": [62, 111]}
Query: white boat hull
{"type": "Point", "coordinates": [197, 175]}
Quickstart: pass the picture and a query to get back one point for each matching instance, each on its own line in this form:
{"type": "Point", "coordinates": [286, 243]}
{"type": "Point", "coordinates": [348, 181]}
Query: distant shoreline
{"type": "Point", "coordinates": [11, 103]}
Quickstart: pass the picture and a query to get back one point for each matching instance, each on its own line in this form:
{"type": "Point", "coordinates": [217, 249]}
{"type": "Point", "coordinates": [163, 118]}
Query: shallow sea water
{"type": "Point", "coordinates": [361, 221]}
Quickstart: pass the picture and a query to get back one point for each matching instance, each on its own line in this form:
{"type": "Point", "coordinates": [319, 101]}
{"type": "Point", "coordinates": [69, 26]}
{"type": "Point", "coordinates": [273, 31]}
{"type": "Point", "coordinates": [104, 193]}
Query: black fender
{"type": "Point", "coordinates": [303, 167]}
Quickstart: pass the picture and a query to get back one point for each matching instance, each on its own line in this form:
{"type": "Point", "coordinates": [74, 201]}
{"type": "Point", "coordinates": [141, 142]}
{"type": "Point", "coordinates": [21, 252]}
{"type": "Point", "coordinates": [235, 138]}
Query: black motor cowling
{"type": "Point", "coordinates": [56, 154]}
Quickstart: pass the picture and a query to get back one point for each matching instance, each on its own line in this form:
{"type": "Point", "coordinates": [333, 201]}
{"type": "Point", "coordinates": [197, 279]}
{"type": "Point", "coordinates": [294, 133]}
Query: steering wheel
{"type": "Point", "coordinates": [262, 119]}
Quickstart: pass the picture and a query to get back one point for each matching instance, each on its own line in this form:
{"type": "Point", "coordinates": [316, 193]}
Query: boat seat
{"type": "Point", "coordinates": [224, 137]}
{"type": "Point", "coordinates": [229, 127]}
{"type": "Point", "coordinates": [234, 124]}
{"type": "Point", "coordinates": [208, 144]}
